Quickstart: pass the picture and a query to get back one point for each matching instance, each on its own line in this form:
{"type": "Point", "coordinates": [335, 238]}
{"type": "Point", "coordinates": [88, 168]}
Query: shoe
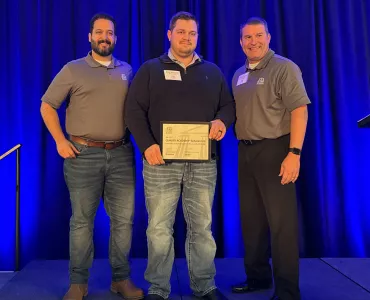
{"type": "Point", "coordinates": [274, 297]}
{"type": "Point", "coordinates": [76, 292]}
{"type": "Point", "coordinates": [127, 290]}
{"type": "Point", "coordinates": [250, 286]}
{"type": "Point", "coordinates": [153, 297]}
{"type": "Point", "coordinates": [214, 295]}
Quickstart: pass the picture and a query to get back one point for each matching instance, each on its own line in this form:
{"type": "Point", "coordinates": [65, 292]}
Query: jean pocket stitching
{"type": "Point", "coordinates": [80, 147]}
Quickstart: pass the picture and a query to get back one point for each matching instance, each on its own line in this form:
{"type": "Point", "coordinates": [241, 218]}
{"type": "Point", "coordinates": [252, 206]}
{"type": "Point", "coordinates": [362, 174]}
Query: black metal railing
{"type": "Point", "coordinates": [16, 148]}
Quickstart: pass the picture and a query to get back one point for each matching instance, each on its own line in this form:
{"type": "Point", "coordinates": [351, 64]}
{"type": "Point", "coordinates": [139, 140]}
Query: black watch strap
{"type": "Point", "coordinates": [295, 151]}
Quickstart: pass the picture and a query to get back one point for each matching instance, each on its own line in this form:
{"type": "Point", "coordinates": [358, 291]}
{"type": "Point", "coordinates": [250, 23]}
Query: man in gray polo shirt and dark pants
{"type": "Point", "coordinates": [271, 110]}
{"type": "Point", "coordinates": [98, 155]}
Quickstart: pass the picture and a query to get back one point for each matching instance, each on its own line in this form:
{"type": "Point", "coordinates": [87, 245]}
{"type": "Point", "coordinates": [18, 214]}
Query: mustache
{"type": "Point", "coordinates": [104, 41]}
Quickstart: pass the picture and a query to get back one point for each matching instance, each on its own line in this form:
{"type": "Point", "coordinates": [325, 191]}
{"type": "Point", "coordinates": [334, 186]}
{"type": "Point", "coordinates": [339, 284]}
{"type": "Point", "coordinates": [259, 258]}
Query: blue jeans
{"type": "Point", "coordinates": [162, 191]}
{"type": "Point", "coordinates": [97, 173]}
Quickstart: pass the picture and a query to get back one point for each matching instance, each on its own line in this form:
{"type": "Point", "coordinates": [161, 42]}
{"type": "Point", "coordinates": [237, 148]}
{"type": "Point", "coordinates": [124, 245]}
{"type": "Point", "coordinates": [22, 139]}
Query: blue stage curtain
{"type": "Point", "coordinates": [329, 40]}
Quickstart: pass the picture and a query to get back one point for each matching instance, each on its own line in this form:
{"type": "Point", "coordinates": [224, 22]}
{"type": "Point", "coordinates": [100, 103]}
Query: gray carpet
{"type": "Point", "coordinates": [321, 279]}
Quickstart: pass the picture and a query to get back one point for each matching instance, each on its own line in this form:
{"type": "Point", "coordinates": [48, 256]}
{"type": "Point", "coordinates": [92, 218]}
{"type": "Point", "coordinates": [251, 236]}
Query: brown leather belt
{"type": "Point", "coordinates": [105, 145]}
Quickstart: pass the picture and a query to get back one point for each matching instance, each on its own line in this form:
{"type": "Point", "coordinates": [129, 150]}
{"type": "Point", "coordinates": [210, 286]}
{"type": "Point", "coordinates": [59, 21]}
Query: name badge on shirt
{"type": "Point", "coordinates": [242, 79]}
{"type": "Point", "coordinates": [172, 75]}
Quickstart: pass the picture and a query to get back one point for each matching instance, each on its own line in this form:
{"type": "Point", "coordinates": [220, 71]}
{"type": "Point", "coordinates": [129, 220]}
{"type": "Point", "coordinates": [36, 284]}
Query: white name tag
{"type": "Point", "coordinates": [242, 79]}
{"type": "Point", "coordinates": [172, 75]}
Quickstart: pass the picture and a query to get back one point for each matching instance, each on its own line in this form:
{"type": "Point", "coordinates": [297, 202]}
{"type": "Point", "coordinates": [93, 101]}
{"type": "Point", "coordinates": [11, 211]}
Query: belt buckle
{"type": "Point", "coordinates": [108, 144]}
{"type": "Point", "coordinates": [248, 142]}
{"type": "Point", "coordinates": [112, 144]}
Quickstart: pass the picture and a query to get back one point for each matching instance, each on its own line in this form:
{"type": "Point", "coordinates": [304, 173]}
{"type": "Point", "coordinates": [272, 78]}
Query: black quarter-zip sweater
{"type": "Point", "coordinates": [202, 95]}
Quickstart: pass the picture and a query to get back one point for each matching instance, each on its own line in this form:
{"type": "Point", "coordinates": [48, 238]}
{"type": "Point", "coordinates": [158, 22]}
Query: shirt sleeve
{"type": "Point", "coordinates": [137, 106]}
{"type": "Point", "coordinates": [59, 88]}
{"type": "Point", "coordinates": [293, 91]}
{"type": "Point", "coordinates": [130, 75]}
{"type": "Point", "coordinates": [226, 112]}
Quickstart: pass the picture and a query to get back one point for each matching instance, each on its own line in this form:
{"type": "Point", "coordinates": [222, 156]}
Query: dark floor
{"type": "Point", "coordinates": [321, 279]}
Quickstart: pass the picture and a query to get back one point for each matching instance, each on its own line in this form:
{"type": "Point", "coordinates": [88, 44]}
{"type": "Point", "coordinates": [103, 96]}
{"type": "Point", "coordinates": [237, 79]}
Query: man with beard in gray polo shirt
{"type": "Point", "coordinates": [271, 109]}
{"type": "Point", "coordinates": [98, 155]}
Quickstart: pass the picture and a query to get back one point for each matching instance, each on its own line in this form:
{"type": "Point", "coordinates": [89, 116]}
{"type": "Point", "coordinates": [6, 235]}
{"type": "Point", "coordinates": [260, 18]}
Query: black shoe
{"type": "Point", "coordinates": [274, 297]}
{"type": "Point", "coordinates": [250, 286]}
{"type": "Point", "coordinates": [153, 297]}
{"type": "Point", "coordinates": [214, 295]}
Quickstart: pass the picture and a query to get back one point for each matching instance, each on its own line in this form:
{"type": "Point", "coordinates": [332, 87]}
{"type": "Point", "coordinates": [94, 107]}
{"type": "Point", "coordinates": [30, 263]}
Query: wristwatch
{"type": "Point", "coordinates": [295, 151]}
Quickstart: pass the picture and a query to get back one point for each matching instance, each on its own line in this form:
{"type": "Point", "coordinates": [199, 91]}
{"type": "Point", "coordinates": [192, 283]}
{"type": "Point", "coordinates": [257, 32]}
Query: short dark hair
{"type": "Point", "coordinates": [102, 16]}
{"type": "Point", "coordinates": [182, 15]}
{"type": "Point", "coordinates": [254, 21]}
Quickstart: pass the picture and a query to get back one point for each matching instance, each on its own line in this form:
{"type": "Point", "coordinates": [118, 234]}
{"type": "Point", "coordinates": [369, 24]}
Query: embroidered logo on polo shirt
{"type": "Point", "coordinates": [261, 81]}
{"type": "Point", "coordinates": [123, 76]}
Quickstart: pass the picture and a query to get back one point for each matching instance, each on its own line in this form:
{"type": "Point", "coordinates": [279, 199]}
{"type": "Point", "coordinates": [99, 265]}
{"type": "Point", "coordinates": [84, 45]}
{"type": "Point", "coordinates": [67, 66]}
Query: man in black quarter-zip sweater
{"type": "Point", "coordinates": [179, 86]}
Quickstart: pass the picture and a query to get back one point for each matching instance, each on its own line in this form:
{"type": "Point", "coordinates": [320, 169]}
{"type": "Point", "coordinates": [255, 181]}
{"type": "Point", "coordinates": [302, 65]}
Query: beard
{"type": "Point", "coordinates": [186, 52]}
{"type": "Point", "coordinates": [102, 52]}
{"type": "Point", "coordinates": [184, 49]}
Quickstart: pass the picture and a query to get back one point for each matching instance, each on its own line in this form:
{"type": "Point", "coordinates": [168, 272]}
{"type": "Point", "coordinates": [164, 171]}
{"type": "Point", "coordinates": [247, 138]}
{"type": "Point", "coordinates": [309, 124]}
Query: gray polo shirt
{"type": "Point", "coordinates": [265, 97]}
{"type": "Point", "coordinates": [96, 95]}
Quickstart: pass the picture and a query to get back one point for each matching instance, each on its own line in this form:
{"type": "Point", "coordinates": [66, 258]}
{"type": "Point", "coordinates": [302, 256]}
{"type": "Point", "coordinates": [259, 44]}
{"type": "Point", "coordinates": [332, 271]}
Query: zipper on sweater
{"type": "Point", "coordinates": [172, 62]}
{"type": "Point", "coordinates": [194, 64]}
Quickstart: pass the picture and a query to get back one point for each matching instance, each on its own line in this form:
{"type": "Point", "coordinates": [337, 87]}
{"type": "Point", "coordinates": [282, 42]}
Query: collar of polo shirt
{"type": "Point", "coordinates": [94, 64]}
{"type": "Point", "coordinates": [264, 61]}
